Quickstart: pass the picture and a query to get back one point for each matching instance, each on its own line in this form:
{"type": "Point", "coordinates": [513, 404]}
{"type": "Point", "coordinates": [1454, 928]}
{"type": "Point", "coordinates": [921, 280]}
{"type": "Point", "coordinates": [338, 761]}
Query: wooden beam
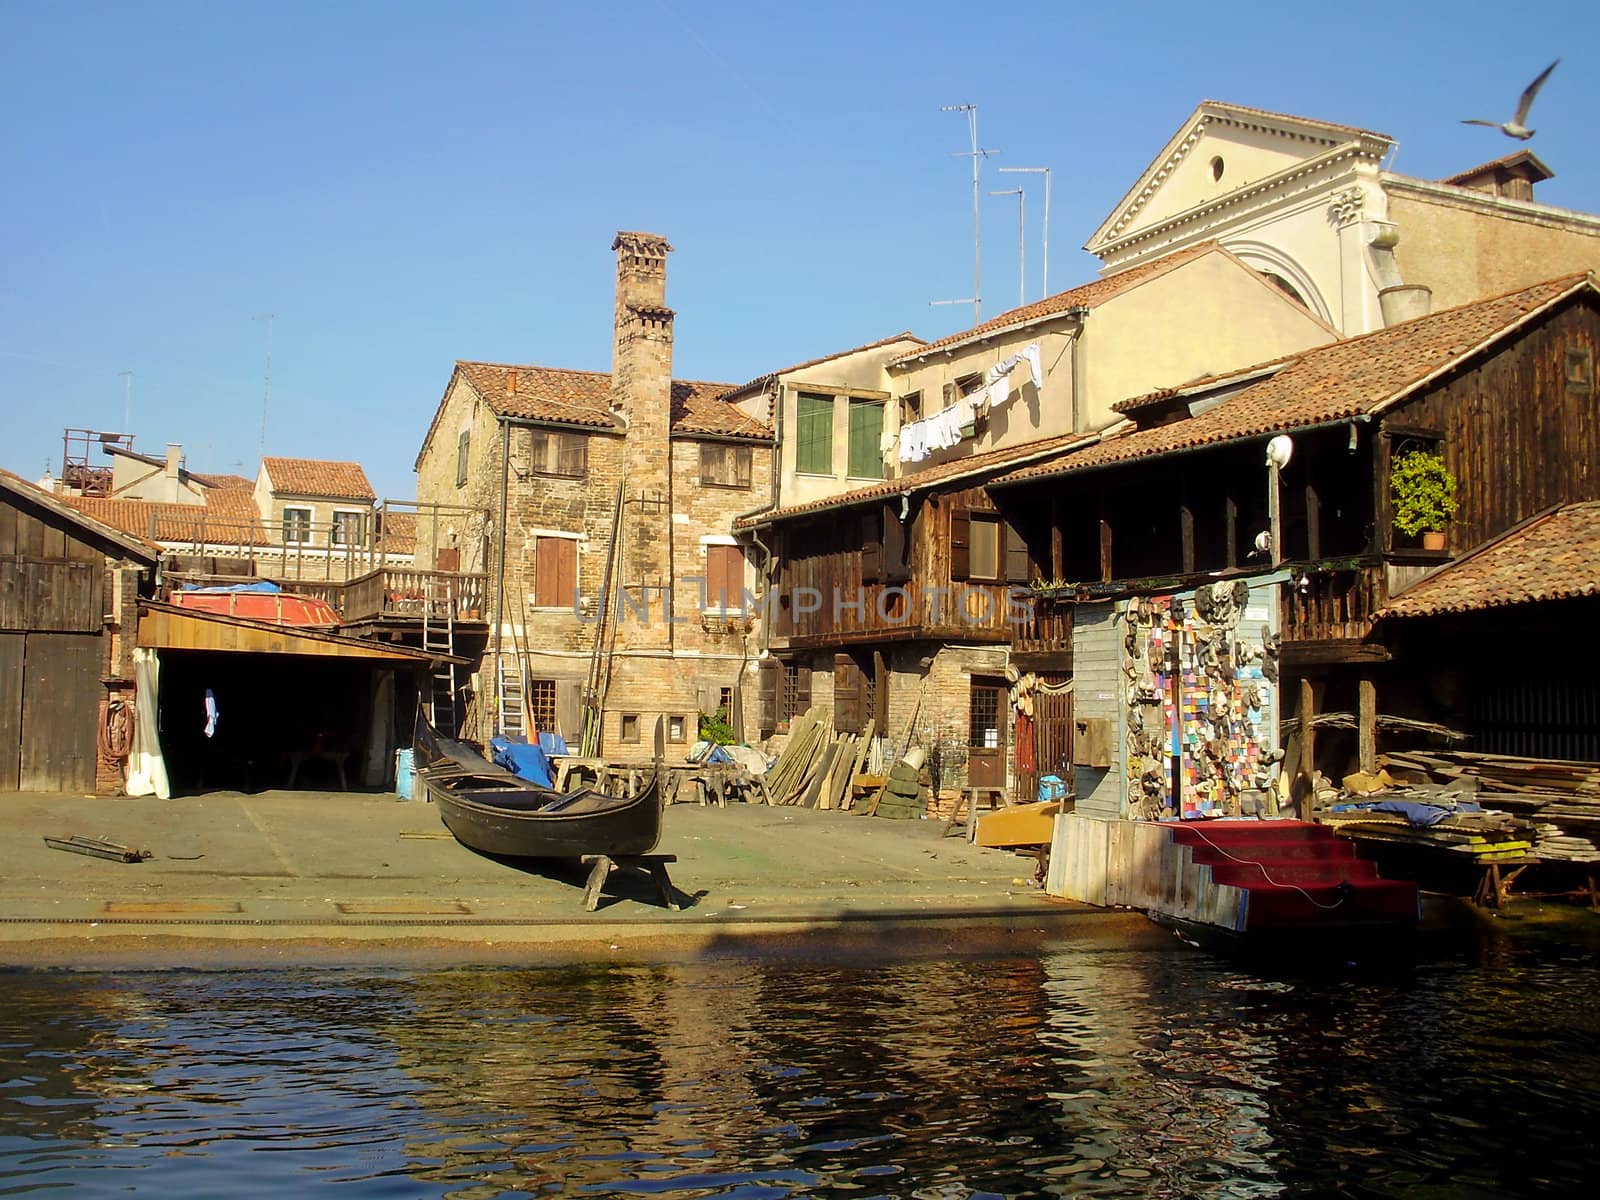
{"type": "Point", "coordinates": [1105, 551]}
{"type": "Point", "coordinates": [1230, 524]}
{"type": "Point", "coordinates": [1186, 534]}
{"type": "Point", "coordinates": [1310, 700]}
{"type": "Point", "coordinates": [1367, 725]}
{"type": "Point", "coordinates": [1058, 548]}
{"type": "Point", "coordinates": [1330, 651]}
{"type": "Point", "coordinates": [1313, 521]}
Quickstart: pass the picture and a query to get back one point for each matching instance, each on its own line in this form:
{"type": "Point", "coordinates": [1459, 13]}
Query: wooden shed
{"type": "Point", "coordinates": [65, 580]}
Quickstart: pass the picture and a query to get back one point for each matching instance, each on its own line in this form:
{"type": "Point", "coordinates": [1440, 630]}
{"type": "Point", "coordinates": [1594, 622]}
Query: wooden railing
{"type": "Point", "coordinates": [1320, 604]}
{"type": "Point", "coordinates": [899, 610]}
{"type": "Point", "coordinates": [404, 593]}
{"type": "Point", "coordinates": [1046, 628]}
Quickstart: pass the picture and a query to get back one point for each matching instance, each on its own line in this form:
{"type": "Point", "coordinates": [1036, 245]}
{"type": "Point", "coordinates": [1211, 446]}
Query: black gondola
{"type": "Point", "coordinates": [491, 810]}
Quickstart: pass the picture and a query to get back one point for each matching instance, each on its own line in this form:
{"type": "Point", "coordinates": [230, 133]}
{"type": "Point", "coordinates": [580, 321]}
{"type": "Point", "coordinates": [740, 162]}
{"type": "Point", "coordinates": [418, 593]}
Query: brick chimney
{"type": "Point", "coordinates": [641, 397]}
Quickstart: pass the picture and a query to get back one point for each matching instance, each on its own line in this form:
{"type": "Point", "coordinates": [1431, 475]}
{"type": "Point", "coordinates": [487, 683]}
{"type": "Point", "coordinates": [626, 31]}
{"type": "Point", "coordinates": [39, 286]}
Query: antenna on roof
{"type": "Point", "coordinates": [266, 378]}
{"type": "Point", "coordinates": [127, 400]}
{"type": "Point", "coordinates": [1045, 171]}
{"type": "Point", "coordinates": [1022, 251]}
{"type": "Point", "coordinates": [977, 155]}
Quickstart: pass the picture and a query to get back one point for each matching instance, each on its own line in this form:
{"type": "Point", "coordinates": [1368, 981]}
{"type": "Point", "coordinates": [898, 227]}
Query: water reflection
{"type": "Point", "coordinates": [1092, 1070]}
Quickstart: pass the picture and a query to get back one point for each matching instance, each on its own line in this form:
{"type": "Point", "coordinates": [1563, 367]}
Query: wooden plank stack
{"type": "Point", "coordinates": [904, 795]}
{"type": "Point", "coordinates": [1560, 799]}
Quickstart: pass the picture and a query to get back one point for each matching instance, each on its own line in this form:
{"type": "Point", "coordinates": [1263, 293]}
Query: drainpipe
{"type": "Point", "coordinates": [500, 584]}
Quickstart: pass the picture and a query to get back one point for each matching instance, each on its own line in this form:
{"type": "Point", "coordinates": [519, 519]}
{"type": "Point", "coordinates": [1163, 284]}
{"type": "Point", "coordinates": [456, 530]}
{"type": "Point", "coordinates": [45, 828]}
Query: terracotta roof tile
{"type": "Point", "coordinates": [584, 398]}
{"type": "Point", "coordinates": [947, 472]}
{"type": "Point", "coordinates": [228, 518]}
{"type": "Point", "coordinates": [318, 477]}
{"type": "Point", "coordinates": [64, 505]}
{"type": "Point", "coordinates": [1086, 295]}
{"type": "Point", "coordinates": [1359, 376]}
{"type": "Point", "coordinates": [1554, 556]}
{"type": "Point", "coordinates": [762, 380]}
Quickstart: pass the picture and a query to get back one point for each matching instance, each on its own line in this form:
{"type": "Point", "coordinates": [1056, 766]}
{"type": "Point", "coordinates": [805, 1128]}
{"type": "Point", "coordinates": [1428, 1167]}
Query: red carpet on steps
{"type": "Point", "coordinates": [1297, 874]}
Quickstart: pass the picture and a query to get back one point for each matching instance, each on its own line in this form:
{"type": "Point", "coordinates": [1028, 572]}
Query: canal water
{"type": "Point", "coordinates": [1092, 1066]}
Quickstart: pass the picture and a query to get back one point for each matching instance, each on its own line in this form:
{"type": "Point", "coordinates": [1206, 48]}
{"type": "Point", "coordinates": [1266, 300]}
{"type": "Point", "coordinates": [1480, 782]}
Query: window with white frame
{"type": "Point", "coordinates": [296, 525]}
{"type": "Point", "coordinates": [349, 527]}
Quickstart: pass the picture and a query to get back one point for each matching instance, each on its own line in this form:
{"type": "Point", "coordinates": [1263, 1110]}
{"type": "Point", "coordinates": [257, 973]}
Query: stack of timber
{"type": "Point", "coordinates": [816, 768]}
{"type": "Point", "coordinates": [1560, 800]}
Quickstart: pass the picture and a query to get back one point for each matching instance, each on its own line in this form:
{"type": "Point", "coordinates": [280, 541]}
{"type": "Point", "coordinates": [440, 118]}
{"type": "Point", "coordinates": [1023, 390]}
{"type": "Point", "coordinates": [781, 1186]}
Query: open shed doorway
{"type": "Point", "coordinates": [282, 721]}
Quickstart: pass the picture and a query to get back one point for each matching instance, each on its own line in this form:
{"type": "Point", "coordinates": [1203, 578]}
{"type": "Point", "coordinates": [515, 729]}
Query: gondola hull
{"type": "Point", "coordinates": [491, 810]}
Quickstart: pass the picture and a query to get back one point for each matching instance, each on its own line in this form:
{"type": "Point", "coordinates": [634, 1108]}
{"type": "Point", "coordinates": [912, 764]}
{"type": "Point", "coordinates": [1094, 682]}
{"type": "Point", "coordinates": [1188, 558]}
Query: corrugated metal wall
{"type": "Point", "coordinates": [1099, 692]}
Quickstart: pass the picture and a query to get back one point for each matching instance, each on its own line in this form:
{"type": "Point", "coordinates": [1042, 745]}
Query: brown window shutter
{"type": "Point", "coordinates": [872, 546]}
{"type": "Point", "coordinates": [896, 564]}
{"type": "Point", "coordinates": [538, 450]}
{"type": "Point", "coordinates": [846, 695]}
{"type": "Point", "coordinates": [960, 544]}
{"type": "Point", "coordinates": [743, 456]}
{"type": "Point", "coordinates": [567, 578]}
{"type": "Point", "coordinates": [572, 454]}
{"type": "Point", "coordinates": [767, 696]}
{"type": "Point", "coordinates": [1016, 567]}
{"type": "Point", "coordinates": [544, 572]}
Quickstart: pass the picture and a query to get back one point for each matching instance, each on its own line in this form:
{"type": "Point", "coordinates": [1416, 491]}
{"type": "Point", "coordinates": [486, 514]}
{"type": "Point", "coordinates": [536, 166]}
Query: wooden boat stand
{"type": "Point", "coordinates": [602, 865]}
{"type": "Point", "coordinates": [1494, 888]}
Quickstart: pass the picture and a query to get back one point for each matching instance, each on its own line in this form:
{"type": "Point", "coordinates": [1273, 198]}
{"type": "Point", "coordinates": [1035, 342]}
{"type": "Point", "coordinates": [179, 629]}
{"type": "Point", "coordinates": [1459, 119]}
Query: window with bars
{"type": "Point", "coordinates": [724, 466]}
{"type": "Point", "coordinates": [866, 432]}
{"type": "Point", "coordinates": [983, 724]}
{"type": "Point", "coordinates": [541, 695]}
{"type": "Point", "coordinates": [813, 453]}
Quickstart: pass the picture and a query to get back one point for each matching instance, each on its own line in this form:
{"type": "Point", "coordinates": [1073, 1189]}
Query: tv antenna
{"type": "Point", "coordinates": [266, 378]}
{"type": "Point", "coordinates": [1045, 171]}
{"type": "Point", "coordinates": [127, 400]}
{"type": "Point", "coordinates": [1022, 252]}
{"type": "Point", "coordinates": [977, 154]}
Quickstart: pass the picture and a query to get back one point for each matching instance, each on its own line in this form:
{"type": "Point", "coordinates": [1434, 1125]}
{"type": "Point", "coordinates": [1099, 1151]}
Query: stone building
{"type": "Point", "coordinates": [606, 507]}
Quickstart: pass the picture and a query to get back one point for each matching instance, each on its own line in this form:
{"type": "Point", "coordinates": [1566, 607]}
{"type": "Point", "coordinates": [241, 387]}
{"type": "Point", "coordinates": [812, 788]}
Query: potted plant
{"type": "Point", "coordinates": [1424, 493]}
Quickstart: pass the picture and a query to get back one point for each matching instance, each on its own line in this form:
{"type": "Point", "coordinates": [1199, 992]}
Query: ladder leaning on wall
{"type": "Point", "coordinates": [439, 637]}
{"type": "Point", "coordinates": [509, 690]}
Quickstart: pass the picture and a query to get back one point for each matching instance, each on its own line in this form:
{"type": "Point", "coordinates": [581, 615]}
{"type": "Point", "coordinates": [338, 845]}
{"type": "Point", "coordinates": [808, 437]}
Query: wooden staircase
{"type": "Point", "coordinates": [1263, 876]}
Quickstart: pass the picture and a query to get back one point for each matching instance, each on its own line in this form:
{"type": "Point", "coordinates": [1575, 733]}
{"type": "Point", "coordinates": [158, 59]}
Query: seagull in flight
{"type": "Point", "coordinates": [1517, 127]}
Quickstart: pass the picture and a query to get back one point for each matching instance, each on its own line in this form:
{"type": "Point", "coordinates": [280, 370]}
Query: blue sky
{"type": "Point", "coordinates": [401, 185]}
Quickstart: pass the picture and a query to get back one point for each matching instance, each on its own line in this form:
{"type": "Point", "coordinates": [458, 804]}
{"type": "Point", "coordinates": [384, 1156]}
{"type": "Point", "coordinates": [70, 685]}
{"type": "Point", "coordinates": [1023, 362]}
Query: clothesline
{"type": "Point", "coordinates": [944, 429]}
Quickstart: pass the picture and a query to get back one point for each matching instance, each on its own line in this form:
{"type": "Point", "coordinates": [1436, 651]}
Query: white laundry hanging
{"type": "Point", "coordinates": [997, 391]}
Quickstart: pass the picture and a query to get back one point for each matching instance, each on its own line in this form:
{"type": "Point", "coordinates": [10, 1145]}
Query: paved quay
{"type": "Point", "coordinates": [274, 875]}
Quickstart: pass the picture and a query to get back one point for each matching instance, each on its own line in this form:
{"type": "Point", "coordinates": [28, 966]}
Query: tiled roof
{"type": "Point", "coordinates": [584, 398]}
{"type": "Point", "coordinates": [1359, 376]}
{"type": "Point", "coordinates": [61, 505]}
{"type": "Point", "coordinates": [225, 482]}
{"type": "Point", "coordinates": [762, 380]}
{"type": "Point", "coordinates": [947, 472]}
{"type": "Point", "coordinates": [318, 477]}
{"type": "Point", "coordinates": [1086, 295]}
{"type": "Point", "coordinates": [400, 532]}
{"type": "Point", "coordinates": [1554, 556]}
{"type": "Point", "coordinates": [1536, 168]}
{"type": "Point", "coordinates": [228, 518]}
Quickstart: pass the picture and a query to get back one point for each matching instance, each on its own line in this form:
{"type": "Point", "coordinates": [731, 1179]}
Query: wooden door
{"type": "Point", "coordinates": [986, 733]}
{"type": "Point", "coordinates": [1052, 729]}
{"type": "Point", "coordinates": [11, 647]}
{"type": "Point", "coordinates": [60, 708]}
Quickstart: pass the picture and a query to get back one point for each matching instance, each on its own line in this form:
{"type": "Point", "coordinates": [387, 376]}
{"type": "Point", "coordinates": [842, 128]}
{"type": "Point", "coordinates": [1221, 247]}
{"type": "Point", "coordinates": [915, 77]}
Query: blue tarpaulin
{"type": "Point", "coordinates": [260, 585]}
{"type": "Point", "coordinates": [522, 759]}
{"type": "Point", "coordinates": [552, 743]}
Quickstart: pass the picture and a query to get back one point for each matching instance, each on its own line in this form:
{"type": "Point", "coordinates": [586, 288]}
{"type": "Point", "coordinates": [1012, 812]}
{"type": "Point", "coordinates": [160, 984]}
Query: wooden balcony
{"type": "Point", "coordinates": [1326, 612]}
{"type": "Point", "coordinates": [878, 612]}
{"type": "Point", "coordinates": [404, 594]}
{"type": "Point", "coordinates": [1042, 638]}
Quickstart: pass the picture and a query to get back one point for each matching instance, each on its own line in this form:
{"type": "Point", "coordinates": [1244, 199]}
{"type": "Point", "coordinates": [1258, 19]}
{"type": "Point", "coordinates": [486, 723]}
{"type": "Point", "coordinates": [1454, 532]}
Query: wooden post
{"type": "Point", "coordinates": [1105, 551]}
{"type": "Point", "coordinates": [1367, 725]}
{"type": "Point", "coordinates": [1230, 525]}
{"type": "Point", "coordinates": [1186, 536]}
{"type": "Point", "coordinates": [1308, 735]}
{"type": "Point", "coordinates": [1058, 556]}
{"type": "Point", "coordinates": [1274, 518]}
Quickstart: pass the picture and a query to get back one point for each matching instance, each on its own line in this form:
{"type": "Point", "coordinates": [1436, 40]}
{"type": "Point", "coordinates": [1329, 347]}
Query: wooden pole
{"type": "Point", "coordinates": [1367, 725]}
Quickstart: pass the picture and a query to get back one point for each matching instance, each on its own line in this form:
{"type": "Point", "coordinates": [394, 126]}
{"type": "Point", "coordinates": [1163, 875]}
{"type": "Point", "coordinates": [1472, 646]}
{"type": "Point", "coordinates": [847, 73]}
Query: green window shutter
{"type": "Point", "coordinates": [813, 454]}
{"type": "Point", "coordinates": [866, 429]}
